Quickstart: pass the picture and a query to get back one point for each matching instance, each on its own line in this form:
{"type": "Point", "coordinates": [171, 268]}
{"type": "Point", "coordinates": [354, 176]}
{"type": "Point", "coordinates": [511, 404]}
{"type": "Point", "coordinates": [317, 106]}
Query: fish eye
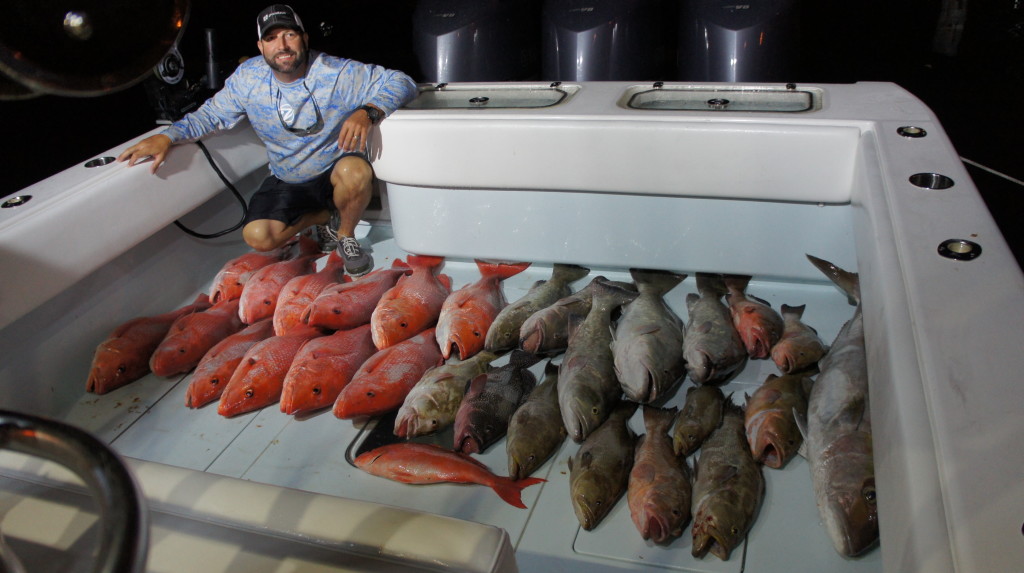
{"type": "Point", "coordinates": [268, 302]}
{"type": "Point", "coordinates": [595, 410]}
{"type": "Point", "coordinates": [476, 334]}
{"type": "Point", "coordinates": [531, 457]}
{"type": "Point", "coordinates": [869, 495]}
{"type": "Point", "coordinates": [791, 442]}
{"type": "Point", "coordinates": [675, 512]}
{"type": "Point", "coordinates": [734, 530]}
{"type": "Point", "coordinates": [214, 381]}
{"type": "Point", "coordinates": [336, 311]}
{"type": "Point", "coordinates": [249, 393]}
{"type": "Point", "coordinates": [181, 351]}
{"type": "Point", "coordinates": [121, 369]}
{"type": "Point", "coordinates": [316, 390]}
{"type": "Point", "coordinates": [403, 324]}
{"type": "Point", "coordinates": [433, 423]}
{"type": "Point", "coordinates": [370, 394]}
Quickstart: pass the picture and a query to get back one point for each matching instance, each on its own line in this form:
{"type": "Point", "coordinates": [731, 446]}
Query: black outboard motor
{"type": "Point", "coordinates": [730, 41]}
{"type": "Point", "coordinates": [477, 40]}
{"type": "Point", "coordinates": [598, 40]}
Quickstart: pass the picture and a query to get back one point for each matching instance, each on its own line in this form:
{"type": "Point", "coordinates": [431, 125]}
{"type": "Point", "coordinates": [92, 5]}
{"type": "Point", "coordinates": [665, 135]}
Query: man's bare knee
{"type": "Point", "coordinates": [352, 174]}
{"type": "Point", "coordinates": [259, 237]}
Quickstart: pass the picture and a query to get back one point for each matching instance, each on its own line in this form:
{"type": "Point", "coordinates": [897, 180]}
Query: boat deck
{"type": "Point", "coordinates": [148, 420]}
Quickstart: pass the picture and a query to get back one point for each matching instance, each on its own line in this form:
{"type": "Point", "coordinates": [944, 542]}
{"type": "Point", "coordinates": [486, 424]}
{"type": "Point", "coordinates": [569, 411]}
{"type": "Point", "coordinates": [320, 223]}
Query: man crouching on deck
{"type": "Point", "coordinates": [313, 112]}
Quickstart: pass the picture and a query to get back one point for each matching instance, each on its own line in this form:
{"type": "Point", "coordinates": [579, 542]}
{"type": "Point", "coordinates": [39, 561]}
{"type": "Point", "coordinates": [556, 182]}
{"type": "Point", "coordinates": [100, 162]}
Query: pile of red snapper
{"type": "Point", "coordinates": [274, 330]}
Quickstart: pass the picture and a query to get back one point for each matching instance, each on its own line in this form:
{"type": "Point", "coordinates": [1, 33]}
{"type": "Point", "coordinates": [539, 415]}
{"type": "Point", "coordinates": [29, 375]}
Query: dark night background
{"type": "Point", "coordinates": [974, 92]}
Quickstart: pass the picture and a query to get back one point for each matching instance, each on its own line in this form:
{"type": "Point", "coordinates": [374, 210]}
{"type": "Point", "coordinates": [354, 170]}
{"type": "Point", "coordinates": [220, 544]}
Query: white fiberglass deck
{"type": "Point", "coordinates": [148, 420]}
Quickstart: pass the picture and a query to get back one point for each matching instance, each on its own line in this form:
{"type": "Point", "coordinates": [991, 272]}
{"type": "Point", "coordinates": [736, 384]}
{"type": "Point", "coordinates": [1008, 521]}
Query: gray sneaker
{"type": "Point", "coordinates": [357, 261]}
{"type": "Point", "coordinates": [327, 235]}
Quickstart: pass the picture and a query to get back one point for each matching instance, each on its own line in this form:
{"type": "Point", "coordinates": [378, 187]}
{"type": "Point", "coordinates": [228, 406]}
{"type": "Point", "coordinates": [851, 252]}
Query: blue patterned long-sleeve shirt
{"type": "Point", "coordinates": [337, 86]}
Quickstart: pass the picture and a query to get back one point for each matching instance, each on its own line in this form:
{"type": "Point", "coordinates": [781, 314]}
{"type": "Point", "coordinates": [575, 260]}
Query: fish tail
{"type": "Point", "coordinates": [511, 490]}
{"type": "Point", "coordinates": [655, 281]}
{"type": "Point", "coordinates": [711, 284]}
{"type": "Point", "coordinates": [736, 283]}
{"type": "Point", "coordinates": [658, 420]}
{"type": "Point", "coordinates": [428, 261]}
{"type": "Point", "coordinates": [797, 310]}
{"type": "Point", "coordinates": [499, 269]}
{"type": "Point", "coordinates": [399, 264]}
{"type": "Point", "coordinates": [849, 282]}
{"type": "Point", "coordinates": [565, 274]}
{"type": "Point", "coordinates": [522, 359]}
{"type": "Point", "coordinates": [613, 294]}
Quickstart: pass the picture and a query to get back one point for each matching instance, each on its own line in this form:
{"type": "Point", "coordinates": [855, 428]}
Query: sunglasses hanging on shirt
{"type": "Point", "coordinates": [313, 129]}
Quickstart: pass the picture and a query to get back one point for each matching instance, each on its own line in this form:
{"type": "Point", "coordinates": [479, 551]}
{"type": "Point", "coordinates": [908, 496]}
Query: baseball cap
{"type": "Point", "coordinates": [278, 15]}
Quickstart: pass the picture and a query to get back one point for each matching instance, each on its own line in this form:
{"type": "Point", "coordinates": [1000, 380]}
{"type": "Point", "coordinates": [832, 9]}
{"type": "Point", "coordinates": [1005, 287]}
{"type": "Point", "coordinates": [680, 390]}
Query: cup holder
{"type": "Point", "coordinates": [935, 181]}
{"type": "Point", "coordinates": [16, 201]}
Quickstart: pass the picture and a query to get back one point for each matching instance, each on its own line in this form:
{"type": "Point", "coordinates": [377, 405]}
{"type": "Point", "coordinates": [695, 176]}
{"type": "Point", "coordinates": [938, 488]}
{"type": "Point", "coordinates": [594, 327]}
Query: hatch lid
{"type": "Point", "coordinates": [763, 98]}
{"type": "Point", "coordinates": [492, 96]}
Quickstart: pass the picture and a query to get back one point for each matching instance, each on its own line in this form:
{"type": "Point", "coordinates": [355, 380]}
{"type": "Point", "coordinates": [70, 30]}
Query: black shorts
{"type": "Point", "coordinates": [288, 202]}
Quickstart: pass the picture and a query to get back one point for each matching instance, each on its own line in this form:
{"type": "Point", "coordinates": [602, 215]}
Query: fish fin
{"type": "Point", "coordinates": [797, 310]}
{"type": "Point", "coordinates": [476, 385]}
{"type": "Point", "coordinates": [847, 281]}
{"type": "Point", "coordinates": [737, 283]}
{"type": "Point", "coordinates": [704, 327]}
{"type": "Point", "coordinates": [500, 269]}
{"type": "Point", "coordinates": [511, 491]}
{"type": "Point", "coordinates": [399, 264]}
{"type": "Point", "coordinates": [710, 284]}
{"type": "Point", "coordinates": [566, 274]}
{"type": "Point", "coordinates": [760, 300]}
{"type": "Point", "coordinates": [575, 321]}
{"type": "Point", "coordinates": [691, 300]}
{"type": "Point", "coordinates": [427, 261]}
{"type": "Point", "coordinates": [446, 281]}
{"type": "Point", "coordinates": [801, 424]}
{"type": "Point", "coordinates": [586, 459]}
{"type": "Point", "coordinates": [656, 281]}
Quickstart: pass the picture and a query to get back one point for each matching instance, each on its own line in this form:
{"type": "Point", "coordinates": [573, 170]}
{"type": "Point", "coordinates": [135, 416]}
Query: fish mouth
{"type": "Point", "coordinates": [468, 445]}
{"type": "Point", "coordinates": [759, 347]}
{"type": "Point", "coordinates": [514, 469]}
{"type": "Point", "coordinates": [701, 370]}
{"type": "Point", "coordinates": [584, 514]}
{"type": "Point", "coordinates": [405, 424]}
{"type": "Point", "coordinates": [771, 451]}
{"type": "Point", "coordinates": [704, 543]}
{"type": "Point", "coordinates": [786, 363]}
{"type": "Point", "coordinates": [654, 527]}
{"type": "Point", "coordinates": [533, 341]}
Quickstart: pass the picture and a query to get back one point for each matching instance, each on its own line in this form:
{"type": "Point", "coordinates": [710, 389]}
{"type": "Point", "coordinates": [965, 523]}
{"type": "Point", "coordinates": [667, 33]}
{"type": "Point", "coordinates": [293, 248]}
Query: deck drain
{"type": "Point", "coordinates": [16, 201]}
{"type": "Point", "coordinates": [960, 249]}
{"type": "Point", "coordinates": [100, 161]}
{"type": "Point", "coordinates": [935, 181]}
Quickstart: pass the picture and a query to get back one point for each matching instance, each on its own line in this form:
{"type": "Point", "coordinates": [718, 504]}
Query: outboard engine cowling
{"type": "Point", "coordinates": [477, 40]}
{"type": "Point", "coordinates": [599, 40]}
{"type": "Point", "coordinates": [729, 41]}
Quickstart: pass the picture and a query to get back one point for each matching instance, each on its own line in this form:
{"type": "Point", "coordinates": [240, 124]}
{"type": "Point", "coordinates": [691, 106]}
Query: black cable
{"type": "Point", "coordinates": [245, 208]}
